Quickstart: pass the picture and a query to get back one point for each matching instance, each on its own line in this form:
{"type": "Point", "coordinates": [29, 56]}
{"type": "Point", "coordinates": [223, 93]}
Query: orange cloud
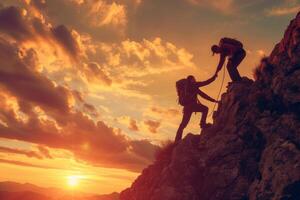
{"type": "Point", "coordinates": [152, 125]}
{"type": "Point", "coordinates": [133, 125]}
{"type": "Point", "coordinates": [97, 143]}
{"type": "Point", "coordinates": [96, 73]}
{"type": "Point", "coordinates": [44, 151]}
{"type": "Point", "coordinates": [12, 23]}
{"type": "Point", "coordinates": [25, 164]}
{"type": "Point", "coordinates": [104, 13]}
{"type": "Point", "coordinates": [280, 11]}
{"type": "Point", "coordinates": [225, 6]}
{"type": "Point", "coordinates": [143, 148]}
{"type": "Point", "coordinates": [31, 154]}
{"type": "Point", "coordinates": [165, 111]}
{"type": "Point", "coordinates": [131, 59]}
{"type": "Point", "coordinates": [116, 15]}
{"type": "Point", "coordinates": [66, 39]}
{"type": "Point", "coordinates": [38, 4]}
{"type": "Point", "coordinates": [45, 116]}
{"type": "Point", "coordinates": [19, 77]}
{"type": "Point", "coordinates": [22, 26]}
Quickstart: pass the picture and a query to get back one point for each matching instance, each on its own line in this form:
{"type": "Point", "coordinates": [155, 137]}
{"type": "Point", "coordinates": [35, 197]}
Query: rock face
{"type": "Point", "coordinates": [252, 151]}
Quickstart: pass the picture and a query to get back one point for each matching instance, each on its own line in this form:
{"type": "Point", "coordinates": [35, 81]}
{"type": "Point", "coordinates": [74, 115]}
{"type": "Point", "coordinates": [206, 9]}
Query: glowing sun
{"type": "Point", "coordinates": [73, 181]}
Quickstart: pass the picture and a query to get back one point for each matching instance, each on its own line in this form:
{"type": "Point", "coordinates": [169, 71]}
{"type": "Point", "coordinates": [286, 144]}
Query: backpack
{"type": "Point", "coordinates": [232, 42]}
{"type": "Point", "coordinates": [183, 97]}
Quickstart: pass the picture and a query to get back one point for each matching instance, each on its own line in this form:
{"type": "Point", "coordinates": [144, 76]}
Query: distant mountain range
{"type": "Point", "coordinates": [27, 191]}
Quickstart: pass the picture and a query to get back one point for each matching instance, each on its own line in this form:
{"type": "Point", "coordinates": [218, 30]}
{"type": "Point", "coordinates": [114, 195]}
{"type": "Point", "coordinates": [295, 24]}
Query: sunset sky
{"type": "Point", "coordinates": [87, 87]}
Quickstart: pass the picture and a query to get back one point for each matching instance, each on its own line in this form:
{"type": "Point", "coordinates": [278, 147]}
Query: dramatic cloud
{"type": "Point", "coordinates": [39, 4]}
{"type": "Point", "coordinates": [96, 73]}
{"type": "Point", "coordinates": [36, 109]}
{"type": "Point", "coordinates": [135, 59]}
{"type": "Point", "coordinates": [143, 148]}
{"type": "Point", "coordinates": [104, 19]}
{"type": "Point", "coordinates": [44, 151]}
{"type": "Point", "coordinates": [25, 164]}
{"type": "Point", "coordinates": [169, 112]}
{"type": "Point", "coordinates": [14, 23]}
{"type": "Point", "coordinates": [96, 144]}
{"type": "Point", "coordinates": [67, 40]}
{"type": "Point", "coordinates": [279, 11]}
{"type": "Point", "coordinates": [221, 5]}
{"type": "Point", "coordinates": [18, 75]}
{"type": "Point", "coordinates": [128, 122]}
{"type": "Point", "coordinates": [133, 125]}
{"type": "Point", "coordinates": [33, 35]}
{"type": "Point", "coordinates": [31, 154]}
{"type": "Point", "coordinates": [152, 125]}
{"type": "Point", "coordinates": [22, 26]}
{"type": "Point", "coordinates": [102, 13]}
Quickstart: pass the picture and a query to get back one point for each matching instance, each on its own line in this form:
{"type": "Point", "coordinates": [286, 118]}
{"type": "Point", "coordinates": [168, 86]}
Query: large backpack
{"type": "Point", "coordinates": [184, 97]}
{"type": "Point", "coordinates": [232, 41]}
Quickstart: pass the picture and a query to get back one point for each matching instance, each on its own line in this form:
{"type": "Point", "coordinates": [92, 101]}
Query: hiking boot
{"type": "Point", "coordinates": [206, 125]}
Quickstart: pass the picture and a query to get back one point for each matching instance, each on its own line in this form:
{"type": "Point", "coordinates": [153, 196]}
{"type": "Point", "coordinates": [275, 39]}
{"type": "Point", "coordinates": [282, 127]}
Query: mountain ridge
{"type": "Point", "coordinates": [12, 191]}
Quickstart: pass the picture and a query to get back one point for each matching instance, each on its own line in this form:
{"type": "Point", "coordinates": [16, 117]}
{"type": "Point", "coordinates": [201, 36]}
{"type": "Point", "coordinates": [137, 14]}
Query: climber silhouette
{"type": "Point", "coordinates": [233, 49]}
{"type": "Point", "coordinates": [187, 90]}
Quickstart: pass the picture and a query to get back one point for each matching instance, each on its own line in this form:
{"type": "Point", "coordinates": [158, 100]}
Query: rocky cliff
{"type": "Point", "coordinates": [252, 150]}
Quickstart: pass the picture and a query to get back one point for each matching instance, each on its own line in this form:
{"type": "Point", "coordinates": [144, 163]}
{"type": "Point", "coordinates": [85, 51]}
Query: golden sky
{"type": "Point", "coordinates": [87, 87]}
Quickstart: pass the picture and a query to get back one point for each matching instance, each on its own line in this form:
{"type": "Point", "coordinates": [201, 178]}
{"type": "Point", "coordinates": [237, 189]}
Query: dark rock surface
{"type": "Point", "coordinates": [252, 151]}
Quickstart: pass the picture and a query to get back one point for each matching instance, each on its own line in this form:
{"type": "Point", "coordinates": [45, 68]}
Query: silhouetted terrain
{"type": "Point", "coordinates": [252, 151]}
{"type": "Point", "coordinates": [17, 191]}
{"type": "Point", "coordinates": [22, 196]}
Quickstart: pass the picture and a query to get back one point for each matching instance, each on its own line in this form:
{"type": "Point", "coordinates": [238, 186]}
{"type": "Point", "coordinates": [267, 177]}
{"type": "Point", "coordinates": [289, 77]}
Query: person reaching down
{"type": "Point", "coordinates": [233, 49]}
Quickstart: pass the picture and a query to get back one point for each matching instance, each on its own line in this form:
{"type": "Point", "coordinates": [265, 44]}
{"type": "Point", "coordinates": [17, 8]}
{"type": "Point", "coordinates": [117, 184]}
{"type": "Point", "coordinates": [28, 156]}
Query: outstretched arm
{"type": "Point", "coordinates": [221, 62]}
{"type": "Point", "coordinates": [203, 83]}
{"type": "Point", "coordinates": [205, 96]}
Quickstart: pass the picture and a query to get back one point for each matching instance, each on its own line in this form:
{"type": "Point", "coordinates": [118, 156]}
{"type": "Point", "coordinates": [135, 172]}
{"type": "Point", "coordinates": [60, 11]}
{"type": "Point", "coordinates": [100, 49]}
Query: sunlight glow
{"type": "Point", "coordinates": [73, 181]}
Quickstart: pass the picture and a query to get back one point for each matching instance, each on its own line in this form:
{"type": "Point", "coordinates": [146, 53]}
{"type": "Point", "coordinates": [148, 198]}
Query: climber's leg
{"type": "Point", "coordinates": [233, 63]}
{"type": "Point", "coordinates": [204, 110]}
{"type": "Point", "coordinates": [185, 120]}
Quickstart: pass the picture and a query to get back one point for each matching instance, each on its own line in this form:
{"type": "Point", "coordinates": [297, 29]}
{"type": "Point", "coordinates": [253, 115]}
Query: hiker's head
{"type": "Point", "coordinates": [215, 49]}
{"type": "Point", "coordinates": [191, 79]}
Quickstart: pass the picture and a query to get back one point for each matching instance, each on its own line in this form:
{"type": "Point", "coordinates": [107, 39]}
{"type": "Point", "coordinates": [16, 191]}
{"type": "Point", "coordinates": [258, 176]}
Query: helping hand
{"type": "Point", "coordinates": [216, 73]}
{"type": "Point", "coordinates": [215, 76]}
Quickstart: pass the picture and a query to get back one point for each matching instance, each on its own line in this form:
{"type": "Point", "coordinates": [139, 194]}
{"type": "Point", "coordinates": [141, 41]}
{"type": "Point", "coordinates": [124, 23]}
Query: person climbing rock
{"type": "Point", "coordinates": [188, 90]}
{"type": "Point", "coordinates": [233, 49]}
